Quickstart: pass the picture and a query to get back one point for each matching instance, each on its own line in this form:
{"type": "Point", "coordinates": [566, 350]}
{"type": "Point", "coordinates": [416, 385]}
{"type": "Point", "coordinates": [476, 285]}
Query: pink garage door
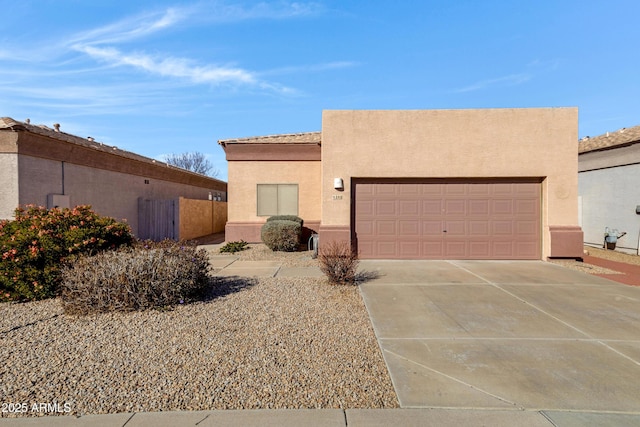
{"type": "Point", "coordinates": [447, 220]}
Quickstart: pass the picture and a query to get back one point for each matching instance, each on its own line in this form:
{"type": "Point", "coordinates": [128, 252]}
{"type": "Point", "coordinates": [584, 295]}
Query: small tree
{"type": "Point", "coordinates": [192, 161]}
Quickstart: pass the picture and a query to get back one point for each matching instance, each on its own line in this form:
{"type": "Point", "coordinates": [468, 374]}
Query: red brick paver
{"type": "Point", "coordinates": [630, 273]}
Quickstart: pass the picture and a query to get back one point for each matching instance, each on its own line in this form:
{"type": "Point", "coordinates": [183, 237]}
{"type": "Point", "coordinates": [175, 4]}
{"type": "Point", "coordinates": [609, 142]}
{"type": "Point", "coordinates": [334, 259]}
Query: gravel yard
{"type": "Point", "coordinates": [256, 343]}
{"type": "Point", "coordinates": [599, 253]}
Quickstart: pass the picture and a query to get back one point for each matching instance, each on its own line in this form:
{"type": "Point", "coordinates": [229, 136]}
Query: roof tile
{"type": "Point", "coordinates": [9, 123]}
{"type": "Point", "coordinates": [291, 138]}
{"type": "Point", "coordinates": [610, 140]}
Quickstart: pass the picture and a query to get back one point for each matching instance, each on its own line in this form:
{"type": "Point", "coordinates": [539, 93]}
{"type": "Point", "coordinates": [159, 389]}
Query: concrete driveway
{"type": "Point", "coordinates": [522, 335]}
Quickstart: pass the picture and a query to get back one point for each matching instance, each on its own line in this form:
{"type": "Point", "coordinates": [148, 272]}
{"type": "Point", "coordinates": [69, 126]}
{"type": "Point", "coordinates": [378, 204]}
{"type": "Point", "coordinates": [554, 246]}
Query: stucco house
{"type": "Point", "coordinates": [418, 184]}
{"type": "Point", "coordinates": [608, 187]}
{"type": "Point", "coordinates": [47, 167]}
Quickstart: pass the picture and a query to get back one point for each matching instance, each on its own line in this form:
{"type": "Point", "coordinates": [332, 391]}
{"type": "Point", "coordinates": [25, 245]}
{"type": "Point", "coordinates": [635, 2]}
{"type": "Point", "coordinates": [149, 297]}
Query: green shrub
{"type": "Point", "coordinates": [286, 218]}
{"type": "Point", "coordinates": [135, 279]}
{"type": "Point", "coordinates": [281, 235]}
{"type": "Point", "coordinates": [339, 262]}
{"type": "Point", "coordinates": [36, 244]}
{"type": "Point", "coordinates": [233, 247]}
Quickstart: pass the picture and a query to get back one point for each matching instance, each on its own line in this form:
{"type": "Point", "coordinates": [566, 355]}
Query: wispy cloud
{"type": "Point", "coordinates": [171, 67]}
{"type": "Point", "coordinates": [131, 28]}
{"type": "Point", "coordinates": [335, 65]}
{"type": "Point", "coordinates": [98, 43]}
{"type": "Point", "coordinates": [218, 12]}
{"type": "Point", "coordinates": [510, 80]}
{"type": "Point", "coordinates": [60, 76]}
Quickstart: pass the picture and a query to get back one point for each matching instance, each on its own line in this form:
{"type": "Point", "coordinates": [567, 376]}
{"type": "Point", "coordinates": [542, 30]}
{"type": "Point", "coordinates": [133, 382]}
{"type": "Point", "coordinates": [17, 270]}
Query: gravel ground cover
{"type": "Point", "coordinates": [255, 343]}
{"type": "Point", "coordinates": [599, 253]}
{"type": "Point", "coordinates": [613, 255]}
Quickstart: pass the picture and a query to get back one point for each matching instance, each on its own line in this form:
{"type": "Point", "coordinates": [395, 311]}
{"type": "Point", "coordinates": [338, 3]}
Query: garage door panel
{"type": "Point", "coordinates": [366, 248]}
{"type": "Point", "coordinates": [525, 207]}
{"type": "Point", "coordinates": [432, 249]}
{"type": "Point", "coordinates": [502, 228]}
{"type": "Point", "coordinates": [478, 207]}
{"type": "Point", "coordinates": [455, 189]}
{"type": "Point", "coordinates": [502, 207]}
{"type": "Point", "coordinates": [455, 207]}
{"type": "Point", "coordinates": [364, 208]}
{"type": "Point", "coordinates": [409, 228]}
{"type": "Point", "coordinates": [456, 228]}
{"type": "Point", "coordinates": [409, 249]}
{"type": "Point", "coordinates": [409, 208]}
{"type": "Point", "coordinates": [483, 220]}
{"type": "Point", "coordinates": [527, 228]}
{"type": "Point", "coordinates": [480, 189]}
{"type": "Point", "coordinates": [455, 249]}
{"type": "Point", "coordinates": [387, 248]}
{"type": "Point", "coordinates": [527, 189]}
{"type": "Point", "coordinates": [478, 228]}
{"type": "Point", "coordinates": [410, 190]}
{"type": "Point", "coordinates": [385, 207]}
{"type": "Point", "coordinates": [365, 189]}
{"type": "Point", "coordinates": [503, 249]}
{"type": "Point", "coordinates": [386, 189]}
{"type": "Point", "coordinates": [505, 189]}
{"type": "Point", "coordinates": [366, 229]}
{"type": "Point", "coordinates": [432, 228]}
{"type": "Point", "coordinates": [479, 249]}
{"type": "Point", "coordinates": [528, 249]}
{"type": "Point", "coordinates": [386, 228]}
{"type": "Point", "coordinates": [432, 207]}
{"type": "Point", "coordinates": [432, 190]}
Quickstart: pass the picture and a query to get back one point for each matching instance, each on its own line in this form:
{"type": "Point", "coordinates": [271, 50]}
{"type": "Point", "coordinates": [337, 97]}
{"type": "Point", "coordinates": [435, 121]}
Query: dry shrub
{"type": "Point", "coordinates": [339, 262]}
{"type": "Point", "coordinates": [134, 279]}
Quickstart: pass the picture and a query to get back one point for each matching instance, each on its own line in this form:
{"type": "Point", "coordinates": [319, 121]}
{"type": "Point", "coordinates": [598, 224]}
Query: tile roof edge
{"type": "Point", "coordinates": [267, 137]}
{"type": "Point", "coordinates": [9, 123]}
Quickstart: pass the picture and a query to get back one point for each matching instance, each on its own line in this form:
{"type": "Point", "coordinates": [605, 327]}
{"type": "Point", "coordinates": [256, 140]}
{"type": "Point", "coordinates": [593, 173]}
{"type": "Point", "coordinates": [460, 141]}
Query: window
{"type": "Point", "coordinates": [277, 199]}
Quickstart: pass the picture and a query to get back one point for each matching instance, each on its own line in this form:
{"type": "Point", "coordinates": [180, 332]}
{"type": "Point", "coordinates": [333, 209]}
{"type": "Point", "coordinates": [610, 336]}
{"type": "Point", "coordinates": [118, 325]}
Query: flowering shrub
{"type": "Point", "coordinates": [146, 276]}
{"type": "Point", "coordinates": [39, 241]}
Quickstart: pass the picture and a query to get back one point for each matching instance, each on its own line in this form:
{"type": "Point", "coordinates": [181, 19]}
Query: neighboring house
{"type": "Point", "coordinates": [438, 184]}
{"type": "Point", "coordinates": [609, 187]}
{"type": "Point", "coordinates": [47, 167]}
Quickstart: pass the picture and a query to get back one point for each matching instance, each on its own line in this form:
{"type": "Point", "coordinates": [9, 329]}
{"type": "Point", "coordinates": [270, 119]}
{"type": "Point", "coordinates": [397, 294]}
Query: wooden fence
{"type": "Point", "coordinates": [180, 219]}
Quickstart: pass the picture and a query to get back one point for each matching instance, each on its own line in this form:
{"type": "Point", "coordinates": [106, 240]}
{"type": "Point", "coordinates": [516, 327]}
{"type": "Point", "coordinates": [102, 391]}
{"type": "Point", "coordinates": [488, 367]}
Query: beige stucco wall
{"type": "Point", "coordinates": [201, 217]}
{"type": "Point", "coordinates": [245, 175]}
{"type": "Point", "coordinates": [9, 192]}
{"type": "Point", "coordinates": [538, 142]}
{"type": "Point", "coordinates": [110, 193]}
{"type": "Point", "coordinates": [219, 216]}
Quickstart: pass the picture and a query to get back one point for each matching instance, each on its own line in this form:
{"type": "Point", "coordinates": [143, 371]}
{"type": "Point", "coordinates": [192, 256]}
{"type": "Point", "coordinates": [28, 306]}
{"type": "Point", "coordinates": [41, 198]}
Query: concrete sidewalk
{"type": "Point", "coordinates": [230, 265]}
{"type": "Point", "coordinates": [337, 418]}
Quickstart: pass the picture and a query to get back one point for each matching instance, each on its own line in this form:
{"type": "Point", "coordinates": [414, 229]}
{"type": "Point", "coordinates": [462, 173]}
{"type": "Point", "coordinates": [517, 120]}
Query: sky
{"type": "Point", "coordinates": [160, 77]}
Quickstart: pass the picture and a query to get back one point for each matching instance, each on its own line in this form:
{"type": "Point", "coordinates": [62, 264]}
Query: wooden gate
{"type": "Point", "coordinates": [157, 219]}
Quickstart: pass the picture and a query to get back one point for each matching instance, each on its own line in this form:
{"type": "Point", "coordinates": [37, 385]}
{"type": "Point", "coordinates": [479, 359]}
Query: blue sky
{"type": "Point", "coordinates": [159, 77]}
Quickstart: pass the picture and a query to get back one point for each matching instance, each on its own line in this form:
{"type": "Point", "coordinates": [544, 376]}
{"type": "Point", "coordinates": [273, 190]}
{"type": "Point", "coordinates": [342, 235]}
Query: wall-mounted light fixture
{"type": "Point", "coordinates": [338, 184]}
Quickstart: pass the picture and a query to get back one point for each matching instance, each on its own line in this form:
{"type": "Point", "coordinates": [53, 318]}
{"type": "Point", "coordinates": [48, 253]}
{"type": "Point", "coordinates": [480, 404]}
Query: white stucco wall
{"type": "Point", "coordinates": [609, 199]}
